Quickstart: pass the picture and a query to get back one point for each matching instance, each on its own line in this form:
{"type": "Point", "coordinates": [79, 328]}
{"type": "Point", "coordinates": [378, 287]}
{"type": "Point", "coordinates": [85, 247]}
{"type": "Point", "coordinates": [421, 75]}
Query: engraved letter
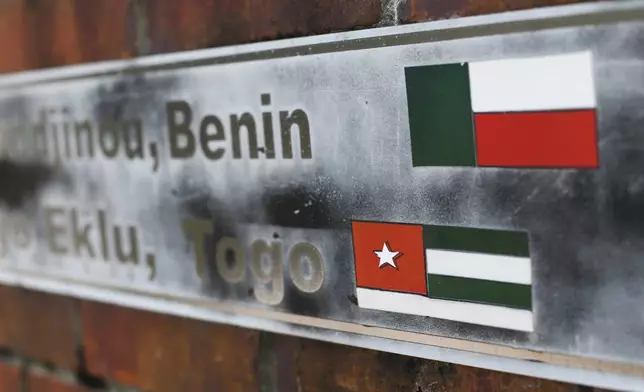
{"type": "Point", "coordinates": [236, 123]}
{"type": "Point", "coordinates": [299, 118]}
{"type": "Point", "coordinates": [197, 230]}
{"type": "Point", "coordinates": [233, 271]}
{"type": "Point", "coordinates": [205, 138]}
{"type": "Point", "coordinates": [177, 128]}
{"type": "Point", "coordinates": [307, 282]}
{"type": "Point", "coordinates": [133, 255]}
{"type": "Point", "coordinates": [266, 267]}
{"type": "Point", "coordinates": [54, 231]}
{"type": "Point", "coordinates": [80, 237]}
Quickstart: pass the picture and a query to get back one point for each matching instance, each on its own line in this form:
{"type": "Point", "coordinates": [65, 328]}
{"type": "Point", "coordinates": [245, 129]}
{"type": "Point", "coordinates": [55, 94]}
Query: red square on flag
{"type": "Point", "coordinates": [389, 256]}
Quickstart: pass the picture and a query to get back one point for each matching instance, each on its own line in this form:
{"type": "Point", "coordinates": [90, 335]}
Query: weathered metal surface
{"type": "Point", "coordinates": [144, 216]}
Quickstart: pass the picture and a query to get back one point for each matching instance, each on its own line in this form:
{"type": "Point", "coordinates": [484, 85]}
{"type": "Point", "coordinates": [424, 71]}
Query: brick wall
{"type": "Point", "coordinates": [54, 343]}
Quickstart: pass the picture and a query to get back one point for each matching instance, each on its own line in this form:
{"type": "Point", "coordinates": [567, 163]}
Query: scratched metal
{"type": "Point", "coordinates": [586, 226]}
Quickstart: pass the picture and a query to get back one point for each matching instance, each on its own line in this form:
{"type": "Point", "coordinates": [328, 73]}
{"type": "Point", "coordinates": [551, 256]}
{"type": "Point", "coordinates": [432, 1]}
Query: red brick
{"type": "Point", "coordinates": [312, 366]}
{"type": "Point", "coordinates": [325, 367]}
{"type": "Point", "coordinates": [195, 24]}
{"type": "Point", "coordinates": [39, 326]}
{"type": "Point", "coordinates": [9, 378]}
{"type": "Point", "coordinates": [102, 29]}
{"type": "Point", "coordinates": [13, 37]}
{"type": "Point", "coordinates": [67, 32]}
{"type": "Point", "coordinates": [464, 378]}
{"type": "Point", "coordinates": [279, 18]}
{"type": "Point", "coordinates": [41, 382]}
{"type": "Point", "coordinates": [43, 33]}
{"type": "Point", "coordinates": [421, 10]}
{"type": "Point", "coordinates": [162, 353]}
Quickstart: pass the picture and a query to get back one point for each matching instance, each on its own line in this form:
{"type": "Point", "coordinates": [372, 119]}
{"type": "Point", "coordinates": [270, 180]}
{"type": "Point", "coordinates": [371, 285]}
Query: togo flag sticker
{"type": "Point", "coordinates": [477, 276]}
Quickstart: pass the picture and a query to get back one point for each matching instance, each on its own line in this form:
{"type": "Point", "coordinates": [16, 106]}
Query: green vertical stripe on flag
{"type": "Point", "coordinates": [500, 242]}
{"type": "Point", "coordinates": [480, 291]}
{"type": "Point", "coordinates": [440, 115]}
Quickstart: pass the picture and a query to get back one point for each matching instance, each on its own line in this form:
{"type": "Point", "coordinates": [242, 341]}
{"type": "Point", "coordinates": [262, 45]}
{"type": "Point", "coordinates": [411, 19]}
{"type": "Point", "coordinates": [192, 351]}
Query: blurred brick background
{"type": "Point", "coordinates": [53, 343]}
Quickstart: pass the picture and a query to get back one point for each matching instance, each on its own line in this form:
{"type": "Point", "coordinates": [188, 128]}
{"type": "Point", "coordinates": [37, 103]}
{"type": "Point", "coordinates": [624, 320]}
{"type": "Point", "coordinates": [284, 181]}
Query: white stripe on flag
{"type": "Point", "coordinates": [530, 84]}
{"type": "Point", "coordinates": [493, 316]}
{"type": "Point", "coordinates": [509, 269]}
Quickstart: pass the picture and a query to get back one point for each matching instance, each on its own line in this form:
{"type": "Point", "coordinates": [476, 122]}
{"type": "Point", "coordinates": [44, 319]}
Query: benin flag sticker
{"type": "Point", "coordinates": [471, 275]}
{"type": "Point", "coordinates": [536, 112]}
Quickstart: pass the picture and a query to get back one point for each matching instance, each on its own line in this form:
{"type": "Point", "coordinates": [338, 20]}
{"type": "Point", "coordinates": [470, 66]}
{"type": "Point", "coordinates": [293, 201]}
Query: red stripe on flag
{"type": "Point", "coordinates": [409, 274]}
{"type": "Point", "coordinates": [537, 139]}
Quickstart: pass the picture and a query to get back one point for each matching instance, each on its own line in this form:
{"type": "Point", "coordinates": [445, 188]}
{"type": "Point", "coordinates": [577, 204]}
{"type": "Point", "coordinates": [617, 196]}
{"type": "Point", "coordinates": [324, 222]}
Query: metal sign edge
{"type": "Point", "coordinates": [600, 12]}
{"type": "Point", "coordinates": [181, 307]}
{"type": "Point", "coordinates": [198, 309]}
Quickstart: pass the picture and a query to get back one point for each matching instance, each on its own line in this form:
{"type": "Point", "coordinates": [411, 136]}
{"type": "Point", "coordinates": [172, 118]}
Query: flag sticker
{"type": "Point", "coordinates": [407, 275]}
{"type": "Point", "coordinates": [537, 112]}
{"type": "Point", "coordinates": [471, 275]}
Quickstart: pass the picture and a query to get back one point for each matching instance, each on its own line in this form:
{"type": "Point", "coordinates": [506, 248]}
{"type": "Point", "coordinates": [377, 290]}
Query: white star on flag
{"type": "Point", "coordinates": [386, 256]}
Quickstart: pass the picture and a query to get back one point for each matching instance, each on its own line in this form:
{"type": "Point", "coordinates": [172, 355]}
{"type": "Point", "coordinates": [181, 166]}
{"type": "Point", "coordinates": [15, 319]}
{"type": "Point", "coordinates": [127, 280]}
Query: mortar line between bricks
{"type": "Point", "coordinates": [484, 348]}
{"type": "Point", "coordinates": [143, 45]}
{"type": "Point", "coordinates": [24, 376]}
{"type": "Point", "coordinates": [266, 363]}
{"type": "Point", "coordinates": [28, 366]}
{"type": "Point", "coordinates": [83, 376]}
{"type": "Point", "coordinates": [589, 17]}
{"type": "Point", "coordinates": [389, 12]}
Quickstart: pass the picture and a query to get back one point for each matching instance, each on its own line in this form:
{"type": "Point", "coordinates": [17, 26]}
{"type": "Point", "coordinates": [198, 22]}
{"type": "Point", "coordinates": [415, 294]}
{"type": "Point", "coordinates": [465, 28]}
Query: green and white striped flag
{"type": "Point", "coordinates": [472, 275]}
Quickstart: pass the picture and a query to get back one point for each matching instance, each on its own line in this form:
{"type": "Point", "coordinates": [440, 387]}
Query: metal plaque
{"type": "Point", "coordinates": [468, 190]}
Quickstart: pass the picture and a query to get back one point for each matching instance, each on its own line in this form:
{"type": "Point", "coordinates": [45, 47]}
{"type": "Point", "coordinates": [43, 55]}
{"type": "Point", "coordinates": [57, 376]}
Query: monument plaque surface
{"type": "Point", "coordinates": [470, 190]}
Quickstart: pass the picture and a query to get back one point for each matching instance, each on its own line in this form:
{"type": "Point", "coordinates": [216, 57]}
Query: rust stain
{"type": "Point", "coordinates": [195, 24]}
{"type": "Point", "coordinates": [289, 18]}
{"type": "Point", "coordinates": [422, 10]}
{"type": "Point", "coordinates": [478, 7]}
